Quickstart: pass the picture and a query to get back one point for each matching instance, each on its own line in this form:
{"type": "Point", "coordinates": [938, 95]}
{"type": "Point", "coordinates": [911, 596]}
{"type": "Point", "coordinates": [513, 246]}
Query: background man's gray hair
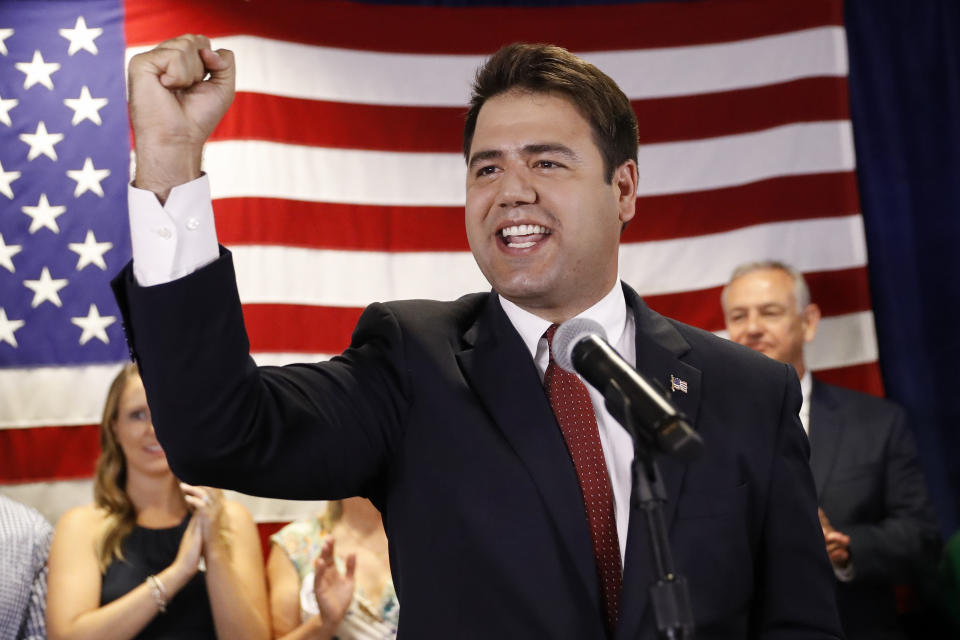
{"type": "Point", "coordinates": [800, 291]}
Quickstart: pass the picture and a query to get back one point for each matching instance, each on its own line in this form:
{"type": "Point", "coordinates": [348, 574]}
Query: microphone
{"type": "Point", "coordinates": [580, 346]}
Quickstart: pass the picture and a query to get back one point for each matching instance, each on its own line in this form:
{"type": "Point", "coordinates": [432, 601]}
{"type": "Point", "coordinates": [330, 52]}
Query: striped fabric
{"type": "Point", "coordinates": [24, 542]}
{"type": "Point", "coordinates": [338, 178]}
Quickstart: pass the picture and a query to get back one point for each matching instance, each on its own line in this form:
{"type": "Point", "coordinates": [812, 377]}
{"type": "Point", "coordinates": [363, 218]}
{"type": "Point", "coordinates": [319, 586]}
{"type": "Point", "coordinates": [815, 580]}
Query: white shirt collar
{"type": "Point", "coordinates": [618, 323]}
{"type": "Point", "coordinates": [610, 312]}
{"type": "Point", "coordinates": [806, 387]}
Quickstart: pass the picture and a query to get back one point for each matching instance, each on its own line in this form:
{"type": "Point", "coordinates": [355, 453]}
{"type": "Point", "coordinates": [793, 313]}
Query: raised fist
{"type": "Point", "coordinates": [179, 91]}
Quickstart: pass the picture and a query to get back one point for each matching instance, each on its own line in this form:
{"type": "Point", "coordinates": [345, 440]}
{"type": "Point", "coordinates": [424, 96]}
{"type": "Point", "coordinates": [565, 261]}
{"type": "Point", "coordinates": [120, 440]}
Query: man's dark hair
{"type": "Point", "coordinates": [545, 68]}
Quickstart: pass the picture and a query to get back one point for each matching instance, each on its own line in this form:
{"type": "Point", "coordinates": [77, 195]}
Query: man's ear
{"type": "Point", "coordinates": [811, 319]}
{"type": "Point", "coordinates": [625, 179]}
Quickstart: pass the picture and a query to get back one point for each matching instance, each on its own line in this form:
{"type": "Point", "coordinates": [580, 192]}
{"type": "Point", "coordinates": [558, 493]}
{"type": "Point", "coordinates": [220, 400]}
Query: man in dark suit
{"type": "Point", "coordinates": [878, 522]}
{"type": "Point", "coordinates": [506, 518]}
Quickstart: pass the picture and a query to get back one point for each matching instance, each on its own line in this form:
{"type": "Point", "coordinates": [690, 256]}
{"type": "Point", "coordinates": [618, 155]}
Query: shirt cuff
{"type": "Point", "coordinates": [172, 240]}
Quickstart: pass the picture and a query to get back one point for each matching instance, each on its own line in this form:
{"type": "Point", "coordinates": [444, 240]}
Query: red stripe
{"type": "Point", "coordinates": [48, 453]}
{"type": "Point", "coordinates": [802, 197]}
{"type": "Point", "coordinates": [471, 30]}
{"type": "Point", "coordinates": [840, 292]}
{"type": "Point", "coordinates": [267, 529]}
{"type": "Point", "coordinates": [862, 377]}
{"type": "Point", "coordinates": [298, 328]}
{"type": "Point", "coordinates": [732, 112]}
{"type": "Point", "coordinates": [256, 116]}
{"type": "Point", "coordinates": [321, 225]}
{"type": "Point", "coordinates": [835, 292]}
{"type": "Point", "coordinates": [339, 226]}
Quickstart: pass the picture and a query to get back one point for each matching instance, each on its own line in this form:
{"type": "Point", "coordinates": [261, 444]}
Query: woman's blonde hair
{"type": "Point", "coordinates": [110, 476]}
{"type": "Point", "coordinates": [110, 480]}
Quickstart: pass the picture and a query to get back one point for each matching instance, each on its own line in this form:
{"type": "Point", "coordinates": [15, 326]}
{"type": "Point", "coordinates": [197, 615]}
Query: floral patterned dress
{"type": "Point", "coordinates": [364, 620]}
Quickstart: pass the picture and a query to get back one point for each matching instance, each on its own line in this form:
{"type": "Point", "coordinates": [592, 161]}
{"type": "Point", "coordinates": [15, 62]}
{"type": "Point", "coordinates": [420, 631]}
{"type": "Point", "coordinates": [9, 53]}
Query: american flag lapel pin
{"type": "Point", "coordinates": [676, 384]}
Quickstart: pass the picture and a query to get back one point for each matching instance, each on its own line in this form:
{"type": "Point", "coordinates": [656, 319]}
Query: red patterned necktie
{"type": "Point", "coordinates": [571, 405]}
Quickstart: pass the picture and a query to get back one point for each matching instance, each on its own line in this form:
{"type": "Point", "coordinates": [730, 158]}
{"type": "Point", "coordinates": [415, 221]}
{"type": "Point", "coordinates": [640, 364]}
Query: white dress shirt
{"type": "Point", "coordinates": [843, 574]}
{"type": "Point", "coordinates": [175, 239]}
{"type": "Point", "coordinates": [806, 386]}
{"type": "Point", "coordinates": [611, 313]}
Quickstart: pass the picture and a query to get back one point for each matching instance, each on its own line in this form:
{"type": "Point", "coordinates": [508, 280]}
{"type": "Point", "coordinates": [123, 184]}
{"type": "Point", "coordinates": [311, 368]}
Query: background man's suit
{"type": "Point", "coordinates": [437, 413]}
{"type": "Point", "coordinates": [870, 485]}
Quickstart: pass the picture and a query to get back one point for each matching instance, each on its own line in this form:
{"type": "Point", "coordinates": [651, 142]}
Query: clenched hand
{"type": "Point", "coordinates": [179, 91]}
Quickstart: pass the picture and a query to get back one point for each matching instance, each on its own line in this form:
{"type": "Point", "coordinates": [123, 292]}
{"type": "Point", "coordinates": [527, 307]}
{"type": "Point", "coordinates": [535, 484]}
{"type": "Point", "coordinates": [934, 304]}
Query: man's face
{"type": "Point", "coordinates": [761, 313]}
{"type": "Point", "coordinates": [542, 221]}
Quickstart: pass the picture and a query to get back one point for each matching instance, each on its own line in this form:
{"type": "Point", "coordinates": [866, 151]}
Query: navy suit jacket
{"type": "Point", "coordinates": [871, 487]}
{"type": "Point", "coordinates": [436, 413]}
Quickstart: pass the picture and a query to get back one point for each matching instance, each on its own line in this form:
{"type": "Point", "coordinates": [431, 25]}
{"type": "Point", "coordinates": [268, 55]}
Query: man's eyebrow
{"type": "Point", "coordinates": [480, 156]}
{"type": "Point", "coordinates": [550, 147]}
{"type": "Point", "coordinates": [528, 150]}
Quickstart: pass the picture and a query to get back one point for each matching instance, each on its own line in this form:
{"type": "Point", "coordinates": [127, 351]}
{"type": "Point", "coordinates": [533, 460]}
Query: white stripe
{"type": "Point", "coordinates": [273, 510]}
{"type": "Point", "coordinates": [253, 168]}
{"type": "Point", "coordinates": [282, 275]}
{"type": "Point", "coordinates": [271, 274]}
{"type": "Point", "coordinates": [702, 262]}
{"type": "Point", "coordinates": [347, 75]}
{"type": "Point", "coordinates": [294, 70]}
{"type": "Point", "coordinates": [680, 71]}
{"type": "Point", "coordinates": [53, 498]}
{"type": "Point", "coordinates": [66, 396]}
{"type": "Point", "coordinates": [727, 161]}
{"type": "Point", "coordinates": [841, 341]}
{"type": "Point", "coordinates": [74, 395]}
{"type": "Point", "coordinates": [279, 359]}
{"type": "Point", "coordinates": [54, 396]}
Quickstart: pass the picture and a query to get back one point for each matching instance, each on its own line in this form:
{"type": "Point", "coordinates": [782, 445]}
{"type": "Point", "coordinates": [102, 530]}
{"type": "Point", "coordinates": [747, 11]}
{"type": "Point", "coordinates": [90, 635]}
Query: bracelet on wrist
{"type": "Point", "coordinates": [159, 593]}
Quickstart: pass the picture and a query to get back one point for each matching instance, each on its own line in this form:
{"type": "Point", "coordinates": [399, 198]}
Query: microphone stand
{"type": "Point", "coordinates": [669, 594]}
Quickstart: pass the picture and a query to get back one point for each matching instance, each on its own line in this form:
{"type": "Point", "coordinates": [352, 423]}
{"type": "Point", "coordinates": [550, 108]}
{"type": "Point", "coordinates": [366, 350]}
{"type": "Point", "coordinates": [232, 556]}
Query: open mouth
{"type": "Point", "coordinates": [523, 236]}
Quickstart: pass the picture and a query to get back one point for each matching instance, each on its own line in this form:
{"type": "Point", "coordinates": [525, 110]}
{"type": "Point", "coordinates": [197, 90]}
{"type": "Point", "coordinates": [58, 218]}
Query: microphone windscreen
{"type": "Point", "coordinates": [569, 334]}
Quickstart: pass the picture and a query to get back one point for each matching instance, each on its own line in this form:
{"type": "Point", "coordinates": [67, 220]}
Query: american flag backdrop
{"type": "Point", "coordinates": [338, 180]}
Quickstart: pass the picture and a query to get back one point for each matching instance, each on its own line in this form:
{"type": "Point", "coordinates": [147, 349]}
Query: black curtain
{"type": "Point", "coordinates": [905, 108]}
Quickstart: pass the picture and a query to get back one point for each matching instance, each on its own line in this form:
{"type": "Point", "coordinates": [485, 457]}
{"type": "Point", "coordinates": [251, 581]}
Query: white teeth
{"type": "Point", "coordinates": [522, 230]}
{"type": "Point", "coordinates": [522, 245]}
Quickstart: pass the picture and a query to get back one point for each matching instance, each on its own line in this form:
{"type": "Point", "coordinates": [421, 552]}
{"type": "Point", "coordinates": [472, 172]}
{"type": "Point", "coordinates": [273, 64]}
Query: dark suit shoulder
{"type": "Point", "coordinates": [424, 322]}
{"type": "Point", "coordinates": [863, 408]}
{"type": "Point", "coordinates": [456, 314]}
{"type": "Point", "coordinates": [844, 395]}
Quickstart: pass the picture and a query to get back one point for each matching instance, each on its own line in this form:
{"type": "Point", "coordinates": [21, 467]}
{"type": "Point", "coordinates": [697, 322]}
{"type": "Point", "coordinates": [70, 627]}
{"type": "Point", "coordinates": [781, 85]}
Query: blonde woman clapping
{"type": "Point", "coordinates": [152, 557]}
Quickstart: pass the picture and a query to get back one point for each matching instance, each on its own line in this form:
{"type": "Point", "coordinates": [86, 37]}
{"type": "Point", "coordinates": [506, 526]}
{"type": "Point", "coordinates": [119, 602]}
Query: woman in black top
{"type": "Point", "coordinates": [152, 557]}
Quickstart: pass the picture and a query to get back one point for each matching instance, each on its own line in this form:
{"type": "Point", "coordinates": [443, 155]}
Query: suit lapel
{"type": "Point", "coordinates": [659, 347]}
{"type": "Point", "coordinates": [824, 435]}
{"type": "Point", "coordinates": [498, 366]}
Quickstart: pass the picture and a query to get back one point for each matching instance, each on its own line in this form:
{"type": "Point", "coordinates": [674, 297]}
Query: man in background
{"type": "Point", "coordinates": [24, 543]}
{"type": "Point", "coordinates": [878, 522]}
